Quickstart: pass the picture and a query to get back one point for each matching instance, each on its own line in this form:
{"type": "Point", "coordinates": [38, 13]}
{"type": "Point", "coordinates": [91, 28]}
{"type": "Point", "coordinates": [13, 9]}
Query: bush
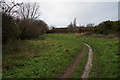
{"type": "Point", "coordinates": [108, 27]}
{"type": "Point", "coordinates": [10, 30]}
{"type": "Point", "coordinates": [31, 29]}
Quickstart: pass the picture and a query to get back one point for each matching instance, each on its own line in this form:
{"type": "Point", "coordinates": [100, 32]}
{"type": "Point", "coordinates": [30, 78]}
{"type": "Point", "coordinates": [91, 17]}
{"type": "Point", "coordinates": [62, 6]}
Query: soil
{"type": "Point", "coordinates": [89, 63]}
{"type": "Point", "coordinates": [68, 72]}
{"type": "Point", "coordinates": [71, 68]}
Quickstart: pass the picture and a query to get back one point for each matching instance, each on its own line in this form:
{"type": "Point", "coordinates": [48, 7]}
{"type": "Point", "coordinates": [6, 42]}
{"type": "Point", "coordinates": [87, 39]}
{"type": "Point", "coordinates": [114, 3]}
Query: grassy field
{"type": "Point", "coordinates": [105, 61]}
{"type": "Point", "coordinates": [105, 58]}
{"type": "Point", "coordinates": [40, 58]}
{"type": "Point", "coordinates": [50, 57]}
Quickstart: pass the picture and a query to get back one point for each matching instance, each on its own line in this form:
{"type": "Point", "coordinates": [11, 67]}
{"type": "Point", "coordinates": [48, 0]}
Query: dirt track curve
{"type": "Point", "coordinates": [68, 72]}
{"type": "Point", "coordinates": [89, 63]}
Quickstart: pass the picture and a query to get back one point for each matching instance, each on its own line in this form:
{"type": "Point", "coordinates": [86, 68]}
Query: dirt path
{"type": "Point", "coordinates": [89, 63]}
{"type": "Point", "coordinates": [68, 72]}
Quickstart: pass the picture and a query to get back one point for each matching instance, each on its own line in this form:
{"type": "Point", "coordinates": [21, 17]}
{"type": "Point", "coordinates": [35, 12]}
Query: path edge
{"type": "Point", "coordinates": [88, 66]}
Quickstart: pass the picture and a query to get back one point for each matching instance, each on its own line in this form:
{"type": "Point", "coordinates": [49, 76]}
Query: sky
{"type": "Point", "coordinates": [60, 13]}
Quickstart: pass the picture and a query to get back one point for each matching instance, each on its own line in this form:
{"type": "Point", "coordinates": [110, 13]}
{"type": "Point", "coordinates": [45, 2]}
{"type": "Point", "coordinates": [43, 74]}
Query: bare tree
{"type": "Point", "coordinates": [9, 8]}
{"type": "Point", "coordinates": [10, 30]}
{"type": "Point", "coordinates": [70, 25]}
{"type": "Point", "coordinates": [90, 25]}
{"type": "Point", "coordinates": [74, 22]}
{"type": "Point", "coordinates": [51, 27]}
{"type": "Point", "coordinates": [29, 11]}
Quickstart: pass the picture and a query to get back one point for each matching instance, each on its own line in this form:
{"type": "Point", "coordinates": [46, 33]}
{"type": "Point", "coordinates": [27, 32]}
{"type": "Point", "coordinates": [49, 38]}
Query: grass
{"type": "Point", "coordinates": [40, 58]}
{"type": "Point", "coordinates": [80, 68]}
{"type": "Point", "coordinates": [105, 57]}
{"type": "Point", "coordinates": [49, 57]}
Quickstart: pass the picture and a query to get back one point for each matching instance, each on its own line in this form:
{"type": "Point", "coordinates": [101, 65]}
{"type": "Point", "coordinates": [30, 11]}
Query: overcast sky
{"type": "Point", "coordinates": [61, 13]}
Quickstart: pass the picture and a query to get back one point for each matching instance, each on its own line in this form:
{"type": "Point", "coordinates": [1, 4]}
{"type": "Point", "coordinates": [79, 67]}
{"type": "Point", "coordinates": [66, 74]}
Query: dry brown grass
{"type": "Point", "coordinates": [97, 35]}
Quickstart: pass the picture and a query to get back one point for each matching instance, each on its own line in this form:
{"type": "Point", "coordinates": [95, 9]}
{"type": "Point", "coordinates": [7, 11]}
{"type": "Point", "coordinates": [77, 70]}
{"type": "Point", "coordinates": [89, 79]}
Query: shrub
{"type": "Point", "coordinates": [10, 30]}
{"type": "Point", "coordinates": [31, 29]}
{"type": "Point", "coordinates": [108, 27]}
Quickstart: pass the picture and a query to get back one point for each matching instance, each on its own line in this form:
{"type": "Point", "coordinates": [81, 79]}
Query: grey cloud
{"type": "Point", "coordinates": [60, 14]}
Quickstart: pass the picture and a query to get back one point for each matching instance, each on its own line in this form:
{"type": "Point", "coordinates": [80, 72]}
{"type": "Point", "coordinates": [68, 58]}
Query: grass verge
{"type": "Point", "coordinates": [105, 57]}
{"type": "Point", "coordinates": [49, 57]}
{"type": "Point", "coordinates": [40, 58]}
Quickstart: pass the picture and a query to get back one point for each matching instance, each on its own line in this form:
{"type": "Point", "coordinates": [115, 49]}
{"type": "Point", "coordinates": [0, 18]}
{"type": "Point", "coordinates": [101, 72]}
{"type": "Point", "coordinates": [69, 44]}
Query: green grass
{"type": "Point", "coordinates": [105, 57]}
{"type": "Point", "coordinates": [49, 57]}
{"type": "Point", "coordinates": [80, 68]}
{"type": "Point", "coordinates": [40, 58]}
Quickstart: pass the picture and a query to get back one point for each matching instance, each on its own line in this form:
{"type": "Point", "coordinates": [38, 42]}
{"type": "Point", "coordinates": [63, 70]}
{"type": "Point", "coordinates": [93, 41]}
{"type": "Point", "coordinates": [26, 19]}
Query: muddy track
{"type": "Point", "coordinates": [68, 72]}
{"type": "Point", "coordinates": [89, 63]}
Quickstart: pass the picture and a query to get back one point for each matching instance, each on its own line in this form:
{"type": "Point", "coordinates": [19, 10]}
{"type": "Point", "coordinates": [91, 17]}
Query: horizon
{"type": "Point", "coordinates": [64, 26]}
{"type": "Point", "coordinates": [61, 13]}
{"type": "Point", "coordinates": [84, 12]}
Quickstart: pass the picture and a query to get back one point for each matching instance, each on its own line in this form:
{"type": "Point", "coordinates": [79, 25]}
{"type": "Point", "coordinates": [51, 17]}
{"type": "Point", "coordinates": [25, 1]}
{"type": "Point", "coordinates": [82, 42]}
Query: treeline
{"type": "Point", "coordinates": [72, 30]}
{"type": "Point", "coordinates": [21, 21]}
{"type": "Point", "coordinates": [108, 27]}
{"type": "Point", "coordinates": [105, 28]}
